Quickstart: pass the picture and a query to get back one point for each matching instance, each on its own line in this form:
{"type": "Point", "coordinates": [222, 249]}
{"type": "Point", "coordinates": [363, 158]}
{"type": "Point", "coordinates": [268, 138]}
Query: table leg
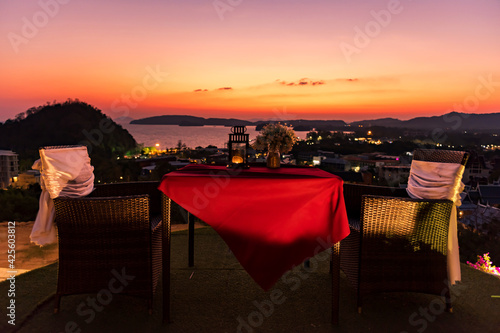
{"type": "Point", "coordinates": [190, 239]}
{"type": "Point", "coordinates": [335, 268]}
{"type": "Point", "coordinates": [166, 205]}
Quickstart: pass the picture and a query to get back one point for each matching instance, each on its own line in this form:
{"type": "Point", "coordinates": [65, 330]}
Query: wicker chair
{"type": "Point", "coordinates": [110, 241]}
{"type": "Point", "coordinates": [441, 156]}
{"type": "Point", "coordinates": [397, 243]}
{"type": "Point", "coordinates": [401, 245]}
{"type": "Point", "coordinates": [353, 194]}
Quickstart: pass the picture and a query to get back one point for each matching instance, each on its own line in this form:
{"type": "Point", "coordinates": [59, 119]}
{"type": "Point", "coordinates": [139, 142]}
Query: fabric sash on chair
{"type": "Point", "coordinates": [65, 172]}
{"type": "Point", "coordinates": [433, 180]}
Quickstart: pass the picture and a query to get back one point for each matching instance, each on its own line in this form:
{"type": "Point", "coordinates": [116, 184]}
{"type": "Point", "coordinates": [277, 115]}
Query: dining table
{"type": "Point", "coordinates": [271, 219]}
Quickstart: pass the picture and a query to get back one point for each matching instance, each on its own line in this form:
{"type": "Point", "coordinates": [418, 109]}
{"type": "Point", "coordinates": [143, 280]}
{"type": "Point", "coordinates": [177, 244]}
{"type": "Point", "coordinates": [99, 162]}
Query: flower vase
{"type": "Point", "coordinates": [273, 159]}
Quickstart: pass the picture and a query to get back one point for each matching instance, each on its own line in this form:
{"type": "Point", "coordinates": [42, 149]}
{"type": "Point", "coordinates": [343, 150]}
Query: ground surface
{"type": "Point", "coordinates": [217, 295]}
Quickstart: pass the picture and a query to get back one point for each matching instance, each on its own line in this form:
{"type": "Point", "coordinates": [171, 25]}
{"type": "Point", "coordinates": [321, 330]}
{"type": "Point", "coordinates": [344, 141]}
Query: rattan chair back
{"type": "Point", "coordinates": [106, 234]}
{"type": "Point", "coordinates": [399, 243]}
{"type": "Point", "coordinates": [441, 156]}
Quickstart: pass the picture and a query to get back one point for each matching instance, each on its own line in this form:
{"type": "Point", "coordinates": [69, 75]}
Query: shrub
{"type": "Point", "coordinates": [19, 204]}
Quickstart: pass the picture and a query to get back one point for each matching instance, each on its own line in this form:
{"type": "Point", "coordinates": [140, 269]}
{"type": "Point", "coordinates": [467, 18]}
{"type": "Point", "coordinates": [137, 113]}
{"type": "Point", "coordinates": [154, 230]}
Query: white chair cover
{"type": "Point", "coordinates": [65, 172]}
{"type": "Point", "coordinates": [433, 180]}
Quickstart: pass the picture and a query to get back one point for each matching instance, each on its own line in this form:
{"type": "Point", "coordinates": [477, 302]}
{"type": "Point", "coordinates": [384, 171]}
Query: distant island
{"type": "Point", "coordinates": [191, 121]}
{"type": "Point", "coordinates": [448, 121]}
{"type": "Point", "coordinates": [299, 125]}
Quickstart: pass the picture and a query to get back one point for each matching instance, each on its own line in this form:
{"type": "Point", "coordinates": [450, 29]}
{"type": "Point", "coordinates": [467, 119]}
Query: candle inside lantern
{"type": "Point", "coordinates": [238, 147]}
{"type": "Point", "coordinates": [237, 159]}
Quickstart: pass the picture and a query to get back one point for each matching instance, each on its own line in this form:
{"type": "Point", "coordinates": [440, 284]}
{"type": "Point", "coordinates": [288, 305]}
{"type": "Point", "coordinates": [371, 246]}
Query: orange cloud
{"type": "Point", "coordinates": [302, 82]}
{"type": "Point", "coordinates": [223, 88]}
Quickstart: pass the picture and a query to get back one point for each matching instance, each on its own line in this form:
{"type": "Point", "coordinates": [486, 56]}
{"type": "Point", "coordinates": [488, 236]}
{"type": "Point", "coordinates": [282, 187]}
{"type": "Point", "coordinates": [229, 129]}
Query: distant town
{"type": "Point", "coordinates": [364, 152]}
{"type": "Point", "coordinates": [348, 154]}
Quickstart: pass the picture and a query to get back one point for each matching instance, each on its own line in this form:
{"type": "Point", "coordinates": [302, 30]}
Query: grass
{"type": "Point", "coordinates": [33, 252]}
{"type": "Point", "coordinates": [217, 295]}
{"type": "Point", "coordinates": [32, 290]}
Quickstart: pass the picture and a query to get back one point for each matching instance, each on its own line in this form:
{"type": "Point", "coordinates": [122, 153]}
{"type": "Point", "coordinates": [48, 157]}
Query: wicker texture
{"type": "Point", "coordinates": [60, 147]}
{"type": "Point", "coordinates": [400, 245]}
{"type": "Point", "coordinates": [166, 205]}
{"type": "Point", "coordinates": [397, 243]}
{"type": "Point", "coordinates": [132, 188]}
{"type": "Point", "coordinates": [110, 231]}
{"type": "Point", "coordinates": [353, 195]}
{"type": "Point", "coordinates": [441, 156]}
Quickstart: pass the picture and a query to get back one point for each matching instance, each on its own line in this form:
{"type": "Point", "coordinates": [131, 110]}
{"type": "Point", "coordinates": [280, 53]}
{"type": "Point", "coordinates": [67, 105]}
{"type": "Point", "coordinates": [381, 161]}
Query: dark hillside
{"type": "Point", "coordinates": [68, 123]}
{"type": "Point", "coordinates": [449, 121]}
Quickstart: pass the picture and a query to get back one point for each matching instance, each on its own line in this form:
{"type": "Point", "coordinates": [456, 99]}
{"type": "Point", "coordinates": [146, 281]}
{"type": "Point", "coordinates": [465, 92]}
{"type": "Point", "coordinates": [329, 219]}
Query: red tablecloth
{"type": "Point", "coordinates": [271, 219]}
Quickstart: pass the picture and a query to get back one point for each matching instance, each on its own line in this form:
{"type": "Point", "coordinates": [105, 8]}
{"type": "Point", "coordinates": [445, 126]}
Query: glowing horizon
{"type": "Point", "coordinates": [282, 59]}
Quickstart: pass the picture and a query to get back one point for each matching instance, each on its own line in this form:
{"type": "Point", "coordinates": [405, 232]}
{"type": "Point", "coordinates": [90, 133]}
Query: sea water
{"type": "Point", "coordinates": [168, 136]}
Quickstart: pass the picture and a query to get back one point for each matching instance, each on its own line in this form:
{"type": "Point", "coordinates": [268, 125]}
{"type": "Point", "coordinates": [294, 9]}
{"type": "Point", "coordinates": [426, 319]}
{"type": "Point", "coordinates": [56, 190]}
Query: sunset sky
{"type": "Point", "coordinates": [250, 59]}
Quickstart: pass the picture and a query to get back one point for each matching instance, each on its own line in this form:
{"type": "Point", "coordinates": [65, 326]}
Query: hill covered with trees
{"type": "Point", "coordinates": [298, 124]}
{"type": "Point", "coordinates": [452, 120]}
{"type": "Point", "coordinates": [70, 123]}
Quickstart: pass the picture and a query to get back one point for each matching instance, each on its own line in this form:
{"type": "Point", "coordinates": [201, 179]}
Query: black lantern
{"type": "Point", "coordinates": [238, 147]}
